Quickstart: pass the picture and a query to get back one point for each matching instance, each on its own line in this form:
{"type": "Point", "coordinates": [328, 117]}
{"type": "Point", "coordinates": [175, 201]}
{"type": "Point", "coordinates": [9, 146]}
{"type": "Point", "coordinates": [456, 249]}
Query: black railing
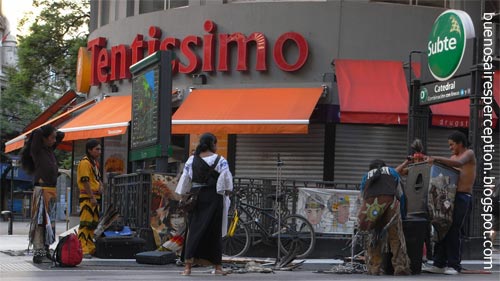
{"type": "Point", "coordinates": [131, 195]}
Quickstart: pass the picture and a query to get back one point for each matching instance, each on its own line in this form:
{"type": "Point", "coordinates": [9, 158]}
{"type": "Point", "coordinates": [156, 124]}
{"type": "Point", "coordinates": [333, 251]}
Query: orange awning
{"type": "Point", "coordinates": [18, 142]}
{"type": "Point", "coordinates": [109, 117]}
{"type": "Point", "coordinates": [372, 92]}
{"type": "Point", "coordinates": [456, 113]}
{"type": "Point", "coordinates": [246, 111]}
{"type": "Point", "coordinates": [64, 102]}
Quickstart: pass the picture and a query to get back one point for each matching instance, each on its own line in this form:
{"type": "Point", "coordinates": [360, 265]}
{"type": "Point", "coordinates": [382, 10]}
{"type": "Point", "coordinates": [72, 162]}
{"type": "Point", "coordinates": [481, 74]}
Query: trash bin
{"type": "Point", "coordinates": [414, 229]}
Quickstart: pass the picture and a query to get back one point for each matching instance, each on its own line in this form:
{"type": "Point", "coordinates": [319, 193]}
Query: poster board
{"type": "Point", "coordinates": [331, 211]}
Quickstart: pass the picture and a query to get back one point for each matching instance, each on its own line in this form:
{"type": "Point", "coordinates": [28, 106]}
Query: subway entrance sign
{"type": "Point", "coordinates": [442, 91]}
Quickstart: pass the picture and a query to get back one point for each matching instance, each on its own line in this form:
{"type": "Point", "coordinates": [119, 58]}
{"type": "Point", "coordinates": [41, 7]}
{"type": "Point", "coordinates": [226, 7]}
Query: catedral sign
{"type": "Point", "coordinates": [113, 63]}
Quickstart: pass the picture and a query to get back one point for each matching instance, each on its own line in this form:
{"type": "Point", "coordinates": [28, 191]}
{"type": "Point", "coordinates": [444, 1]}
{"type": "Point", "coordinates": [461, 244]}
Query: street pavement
{"type": "Point", "coordinates": [16, 264]}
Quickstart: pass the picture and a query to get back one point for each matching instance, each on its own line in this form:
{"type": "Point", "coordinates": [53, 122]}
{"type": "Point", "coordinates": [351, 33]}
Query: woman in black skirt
{"type": "Point", "coordinates": [207, 174]}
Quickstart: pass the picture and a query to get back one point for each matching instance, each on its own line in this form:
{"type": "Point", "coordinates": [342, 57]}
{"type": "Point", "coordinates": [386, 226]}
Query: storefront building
{"type": "Point", "coordinates": [323, 83]}
{"type": "Point", "coordinates": [265, 46]}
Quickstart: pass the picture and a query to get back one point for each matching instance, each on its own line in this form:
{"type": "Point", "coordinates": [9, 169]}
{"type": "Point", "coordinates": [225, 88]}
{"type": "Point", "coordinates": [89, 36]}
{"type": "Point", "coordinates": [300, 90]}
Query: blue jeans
{"type": "Point", "coordinates": [448, 252]}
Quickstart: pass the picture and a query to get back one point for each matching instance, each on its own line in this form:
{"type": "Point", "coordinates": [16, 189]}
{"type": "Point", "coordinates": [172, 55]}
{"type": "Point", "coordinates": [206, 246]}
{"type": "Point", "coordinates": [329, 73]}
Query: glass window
{"type": "Point", "coordinates": [178, 3]}
{"type": "Point", "coordinates": [130, 8]}
{"type": "Point", "coordinates": [430, 3]}
{"type": "Point", "coordinates": [148, 6]}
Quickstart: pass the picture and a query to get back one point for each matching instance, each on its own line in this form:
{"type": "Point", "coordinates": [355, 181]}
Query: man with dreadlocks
{"type": "Point", "coordinates": [90, 186]}
{"type": "Point", "coordinates": [379, 217]}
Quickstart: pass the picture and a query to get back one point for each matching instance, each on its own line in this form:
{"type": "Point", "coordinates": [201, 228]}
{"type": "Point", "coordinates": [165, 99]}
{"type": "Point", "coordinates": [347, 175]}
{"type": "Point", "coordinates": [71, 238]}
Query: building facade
{"type": "Point", "coordinates": [300, 42]}
{"type": "Point", "coordinates": [320, 85]}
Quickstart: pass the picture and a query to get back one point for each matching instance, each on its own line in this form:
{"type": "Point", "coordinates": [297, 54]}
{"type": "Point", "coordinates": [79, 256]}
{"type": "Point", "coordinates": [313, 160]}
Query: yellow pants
{"type": "Point", "coordinates": [89, 218]}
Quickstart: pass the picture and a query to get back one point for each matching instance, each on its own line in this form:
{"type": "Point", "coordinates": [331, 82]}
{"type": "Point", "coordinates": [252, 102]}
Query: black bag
{"type": "Point", "coordinates": [189, 201]}
{"type": "Point", "coordinates": [148, 236]}
{"type": "Point", "coordinates": [118, 247]}
{"type": "Point", "coordinates": [156, 257]}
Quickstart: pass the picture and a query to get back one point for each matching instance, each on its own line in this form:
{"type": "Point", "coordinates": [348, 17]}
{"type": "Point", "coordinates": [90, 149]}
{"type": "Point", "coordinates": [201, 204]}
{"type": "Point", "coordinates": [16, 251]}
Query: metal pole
{"type": "Point", "coordinates": [11, 215]}
{"type": "Point", "coordinates": [418, 116]}
{"type": "Point", "coordinates": [279, 164]}
{"type": "Point", "coordinates": [68, 189]}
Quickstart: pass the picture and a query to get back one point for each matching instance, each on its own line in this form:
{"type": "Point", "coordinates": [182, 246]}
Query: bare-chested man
{"type": "Point", "coordinates": [447, 252]}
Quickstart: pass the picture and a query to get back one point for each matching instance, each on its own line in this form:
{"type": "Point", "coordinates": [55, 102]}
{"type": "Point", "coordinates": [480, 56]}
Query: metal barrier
{"type": "Point", "coordinates": [130, 194]}
{"type": "Point", "coordinates": [257, 191]}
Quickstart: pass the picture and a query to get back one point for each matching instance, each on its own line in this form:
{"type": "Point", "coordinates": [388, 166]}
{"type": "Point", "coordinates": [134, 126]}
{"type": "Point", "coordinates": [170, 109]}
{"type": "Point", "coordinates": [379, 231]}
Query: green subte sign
{"type": "Point", "coordinates": [446, 45]}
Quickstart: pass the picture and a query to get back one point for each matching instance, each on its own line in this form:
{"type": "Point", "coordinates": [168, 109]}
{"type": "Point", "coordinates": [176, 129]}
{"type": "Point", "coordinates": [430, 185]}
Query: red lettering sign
{"type": "Point", "coordinates": [279, 57]}
{"type": "Point", "coordinates": [114, 64]}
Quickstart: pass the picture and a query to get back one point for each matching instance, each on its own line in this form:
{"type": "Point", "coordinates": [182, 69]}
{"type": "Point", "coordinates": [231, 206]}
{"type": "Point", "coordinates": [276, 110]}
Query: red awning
{"type": "Point", "coordinates": [247, 111]}
{"type": "Point", "coordinates": [64, 102]}
{"type": "Point", "coordinates": [456, 113]}
{"type": "Point", "coordinates": [18, 142]}
{"type": "Point", "coordinates": [372, 92]}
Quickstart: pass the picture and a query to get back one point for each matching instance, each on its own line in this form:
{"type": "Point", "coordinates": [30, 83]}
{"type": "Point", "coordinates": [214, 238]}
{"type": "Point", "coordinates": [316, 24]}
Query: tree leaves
{"type": "Point", "coordinates": [47, 61]}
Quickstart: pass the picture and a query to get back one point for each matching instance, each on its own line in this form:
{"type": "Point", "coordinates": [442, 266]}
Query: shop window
{"type": "Point", "coordinates": [148, 6]}
{"type": "Point", "coordinates": [430, 3]}
{"type": "Point", "coordinates": [130, 8]}
{"type": "Point", "coordinates": [250, 1]}
{"type": "Point", "coordinates": [104, 12]}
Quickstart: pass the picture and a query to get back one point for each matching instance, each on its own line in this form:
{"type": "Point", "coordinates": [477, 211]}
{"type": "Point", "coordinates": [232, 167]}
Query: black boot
{"type": "Point", "coordinates": [38, 255]}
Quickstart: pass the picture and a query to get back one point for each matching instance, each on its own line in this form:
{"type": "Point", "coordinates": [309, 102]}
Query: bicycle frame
{"type": "Point", "coordinates": [297, 234]}
{"type": "Point", "coordinates": [242, 208]}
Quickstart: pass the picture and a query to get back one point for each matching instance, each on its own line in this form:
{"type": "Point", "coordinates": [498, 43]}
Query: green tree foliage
{"type": "Point", "coordinates": [47, 61]}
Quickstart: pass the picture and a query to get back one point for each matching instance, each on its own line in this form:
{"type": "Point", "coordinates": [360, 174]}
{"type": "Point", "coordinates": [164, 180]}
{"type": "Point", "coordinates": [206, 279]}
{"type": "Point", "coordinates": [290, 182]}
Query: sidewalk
{"type": "Point", "coordinates": [12, 247]}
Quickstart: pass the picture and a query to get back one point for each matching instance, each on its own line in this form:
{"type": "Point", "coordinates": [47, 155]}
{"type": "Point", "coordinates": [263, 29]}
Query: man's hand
{"type": "Point", "coordinates": [429, 160]}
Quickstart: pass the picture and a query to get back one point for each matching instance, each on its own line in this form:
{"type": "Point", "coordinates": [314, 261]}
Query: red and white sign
{"type": "Point", "coordinates": [113, 63]}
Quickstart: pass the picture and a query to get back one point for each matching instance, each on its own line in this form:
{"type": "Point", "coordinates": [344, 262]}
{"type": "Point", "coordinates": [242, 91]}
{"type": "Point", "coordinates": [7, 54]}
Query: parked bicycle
{"type": "Point", "coordinates": [295, 233]}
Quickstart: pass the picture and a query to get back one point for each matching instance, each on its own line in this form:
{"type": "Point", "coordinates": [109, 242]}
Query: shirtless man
{"type": "Point", "coordinates": [447, 252]}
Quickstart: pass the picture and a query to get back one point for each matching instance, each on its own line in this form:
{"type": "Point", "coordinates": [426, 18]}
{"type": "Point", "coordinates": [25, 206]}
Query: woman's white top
{"type": "Point", "coordinates": [224, 182]}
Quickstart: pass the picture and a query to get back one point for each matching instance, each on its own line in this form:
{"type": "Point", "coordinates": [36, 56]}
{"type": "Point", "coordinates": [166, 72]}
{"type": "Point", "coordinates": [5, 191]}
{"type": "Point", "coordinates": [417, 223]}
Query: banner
{"type": "Point", "coordinates": [329, 210]}
{"type": "Point", "coordinates": [165, 217]}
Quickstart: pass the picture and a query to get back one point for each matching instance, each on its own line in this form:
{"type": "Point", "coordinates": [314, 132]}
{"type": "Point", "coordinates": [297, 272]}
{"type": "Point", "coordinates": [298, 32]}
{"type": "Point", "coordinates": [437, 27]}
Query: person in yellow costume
{"type": "Point", "coordinates": [90, 186]}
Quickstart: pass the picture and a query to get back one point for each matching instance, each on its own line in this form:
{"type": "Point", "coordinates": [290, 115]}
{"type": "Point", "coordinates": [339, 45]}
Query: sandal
{"type": "Point", "coordinates": [220, 272]}
{"type": "Point", "coordinates": [186, 272]}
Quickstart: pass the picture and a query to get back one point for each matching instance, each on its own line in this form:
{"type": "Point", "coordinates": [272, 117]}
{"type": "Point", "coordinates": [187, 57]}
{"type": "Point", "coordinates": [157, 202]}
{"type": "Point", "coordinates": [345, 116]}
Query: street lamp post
{"type": "Point", "coordinates": [14, 164]}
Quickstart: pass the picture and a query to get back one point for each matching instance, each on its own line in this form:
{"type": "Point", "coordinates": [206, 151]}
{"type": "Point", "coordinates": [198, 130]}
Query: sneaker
{"type": "Point", "coordinates": [450, 271]}
{"type": "Point", "coordinates": [433, 269]}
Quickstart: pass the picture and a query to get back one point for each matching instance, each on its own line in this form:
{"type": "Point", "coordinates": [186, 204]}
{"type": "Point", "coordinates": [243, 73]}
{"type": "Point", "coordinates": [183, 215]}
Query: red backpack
{"type": "Point", "coordinates": [68, 251]}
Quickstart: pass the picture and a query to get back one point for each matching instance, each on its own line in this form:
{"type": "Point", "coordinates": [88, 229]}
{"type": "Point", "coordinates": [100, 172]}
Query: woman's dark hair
{"type": "Point", "coordinates": [90, 145]}
{"type": "Point", "coordinates": [375, 164]}
{"type": "Point", "coordinates": [207, 142]}
{"type": "Point", "coordinates": [417, 146]}
{"type": "Point", "coordinates": [27, 162]}
{"type": "Point", "coordinates": [458, 137]}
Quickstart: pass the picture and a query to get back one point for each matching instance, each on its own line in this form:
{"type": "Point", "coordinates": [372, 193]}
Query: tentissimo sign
{"type": "Point", "coordinates": [109, 63]}
{"type": "Point", "coordinates": [447, 41]}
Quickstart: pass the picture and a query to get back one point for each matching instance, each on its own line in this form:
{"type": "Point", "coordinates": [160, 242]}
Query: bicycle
{"type": "Point", "coordinates": [294, 231]}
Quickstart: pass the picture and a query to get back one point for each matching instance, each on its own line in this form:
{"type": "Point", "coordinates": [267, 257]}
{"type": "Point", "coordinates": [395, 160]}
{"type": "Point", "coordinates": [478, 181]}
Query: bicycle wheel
{"type": "Point", "coordinates": [297, 234]}
{"type": "Point", "coordinates": [237, 243]}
